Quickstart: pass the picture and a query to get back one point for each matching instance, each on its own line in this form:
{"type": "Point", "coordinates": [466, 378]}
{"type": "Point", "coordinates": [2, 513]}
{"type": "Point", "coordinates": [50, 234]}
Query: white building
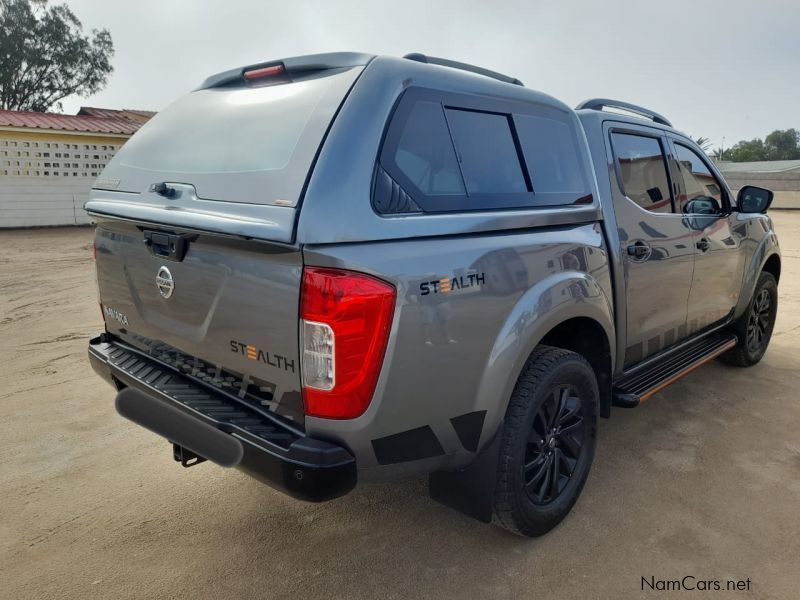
{"type": "Point", "coordinates": [49, 161]}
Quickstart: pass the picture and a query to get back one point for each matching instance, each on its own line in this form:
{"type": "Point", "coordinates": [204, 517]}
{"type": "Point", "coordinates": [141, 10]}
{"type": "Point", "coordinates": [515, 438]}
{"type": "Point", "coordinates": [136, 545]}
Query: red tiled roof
{"type": "Point", "coordinates": [142, 116]}
{"type": "Point", "coordinates": [114, 122]}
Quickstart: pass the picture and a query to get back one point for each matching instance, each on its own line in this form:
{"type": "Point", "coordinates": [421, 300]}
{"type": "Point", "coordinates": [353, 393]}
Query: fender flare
{"type": "Point", "coordinates": [541, 308]}
{"type": "Point", "coordinates": [766, 249]}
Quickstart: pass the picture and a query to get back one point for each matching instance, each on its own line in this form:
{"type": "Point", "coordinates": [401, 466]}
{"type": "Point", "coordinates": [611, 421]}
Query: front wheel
{"type": "Point", "coordinates": [754, 327]}
{"type": "Point", "coordinates": [547, 441]}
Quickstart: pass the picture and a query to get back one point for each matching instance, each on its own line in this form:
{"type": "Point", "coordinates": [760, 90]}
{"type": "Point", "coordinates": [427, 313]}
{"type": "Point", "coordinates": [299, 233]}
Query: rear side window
{"type": "Point", "coordinates": [643, 171]}
{"type": "Point", "coordinates": [425, 153]}
{"type": "Point", "coordinates": [453, 152]}
{"type": "Point", "coordinates": [551, 151]}
{"type": "Point", "coordinates": [486, 151]}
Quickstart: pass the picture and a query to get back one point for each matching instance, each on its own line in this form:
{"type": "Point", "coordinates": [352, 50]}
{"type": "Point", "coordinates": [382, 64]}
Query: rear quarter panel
{"type": "Point", "coordinates": [459, 352]}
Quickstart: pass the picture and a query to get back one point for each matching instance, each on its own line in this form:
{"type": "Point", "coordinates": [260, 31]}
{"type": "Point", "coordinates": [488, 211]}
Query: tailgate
{"type": "Point", "coordinates": [220, 308]}
{"type": "Point", "coordinates": [196, 217]}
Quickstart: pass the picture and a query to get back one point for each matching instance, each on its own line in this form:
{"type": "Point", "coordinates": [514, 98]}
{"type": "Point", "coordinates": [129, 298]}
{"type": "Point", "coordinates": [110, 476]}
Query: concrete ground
{"type": "Point", "coordinates": [703, 480]}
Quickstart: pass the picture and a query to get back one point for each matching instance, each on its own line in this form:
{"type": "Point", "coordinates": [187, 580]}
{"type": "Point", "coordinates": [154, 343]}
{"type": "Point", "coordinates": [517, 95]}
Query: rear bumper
{"type": "Point", "coordinates": [221, 428]}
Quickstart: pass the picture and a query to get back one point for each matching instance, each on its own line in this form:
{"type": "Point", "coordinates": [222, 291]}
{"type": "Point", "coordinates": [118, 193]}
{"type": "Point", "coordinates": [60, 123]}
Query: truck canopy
{"type": "Point", "coordinates": [242, 142]}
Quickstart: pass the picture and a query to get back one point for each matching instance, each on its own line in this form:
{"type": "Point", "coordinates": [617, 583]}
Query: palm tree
{"type": "Point", "coordinates": [704, 143]}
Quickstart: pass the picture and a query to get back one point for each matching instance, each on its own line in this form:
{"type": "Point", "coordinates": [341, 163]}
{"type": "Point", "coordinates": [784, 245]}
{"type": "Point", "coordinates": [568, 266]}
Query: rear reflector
{"type": "Point", "coordinates": [263, 72]}
{"type": "Point", "coordinates": [346, 317]}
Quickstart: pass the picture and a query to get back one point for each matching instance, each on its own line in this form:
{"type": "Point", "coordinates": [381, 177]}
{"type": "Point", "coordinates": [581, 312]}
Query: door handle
{"type": "Point", "coordinates": [703, 245]}
{"type": "Point", "coordinates": [639, 250]}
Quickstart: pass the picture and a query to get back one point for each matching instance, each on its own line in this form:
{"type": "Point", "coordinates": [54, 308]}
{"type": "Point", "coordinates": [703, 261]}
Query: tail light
{"type": "Point", "coordinates": [345, 322]}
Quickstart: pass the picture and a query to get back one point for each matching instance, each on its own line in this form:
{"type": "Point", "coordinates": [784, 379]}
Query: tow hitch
{"type": "Point", "coordinates": [186, 457]}
{"type": "Point", "coordinates": [202, 424]}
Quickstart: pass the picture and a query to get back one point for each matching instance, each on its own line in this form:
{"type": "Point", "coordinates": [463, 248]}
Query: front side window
{"type": "Point", "coordinates": [643, 171]}
{"type": "Point", "coordinates": [702, 193]}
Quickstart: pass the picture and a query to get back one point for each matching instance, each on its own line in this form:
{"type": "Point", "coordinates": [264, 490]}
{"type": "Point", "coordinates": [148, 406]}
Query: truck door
{"type": "Point", "coordinates": [657, 242]}
{"type": "Point", "coordinates": [705, 204]}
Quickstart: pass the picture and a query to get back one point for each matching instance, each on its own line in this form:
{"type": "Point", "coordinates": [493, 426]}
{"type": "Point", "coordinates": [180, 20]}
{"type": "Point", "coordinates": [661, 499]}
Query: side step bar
{"type": "Point", "coordinates": [638, 385]}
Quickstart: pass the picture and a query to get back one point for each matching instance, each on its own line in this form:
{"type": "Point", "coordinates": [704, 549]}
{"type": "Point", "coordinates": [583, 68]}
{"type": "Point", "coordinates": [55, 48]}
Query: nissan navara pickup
{"type": "Point", "coordinates": [344, 267]}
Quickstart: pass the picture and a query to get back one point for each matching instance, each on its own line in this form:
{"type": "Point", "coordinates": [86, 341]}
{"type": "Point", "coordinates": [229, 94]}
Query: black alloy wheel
{"type": "Point", "coordinates": [754, 327]}
{"type": "Point", "coordinates": [759, 321]}
{"type": "Point", "coordinates": [547, 441]}
{"type": "Point", "coordinates": [554, 445]}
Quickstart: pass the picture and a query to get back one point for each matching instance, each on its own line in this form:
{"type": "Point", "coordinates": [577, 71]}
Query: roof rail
{"type": "Point", "coordinates": [443, 62]}
{"type": "Point", "coordinates": [601, 103]}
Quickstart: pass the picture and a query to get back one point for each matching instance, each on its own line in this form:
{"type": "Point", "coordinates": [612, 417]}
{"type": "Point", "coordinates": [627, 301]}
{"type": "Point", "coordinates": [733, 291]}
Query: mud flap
{"type": "Point", "coordinates": [471, 490]}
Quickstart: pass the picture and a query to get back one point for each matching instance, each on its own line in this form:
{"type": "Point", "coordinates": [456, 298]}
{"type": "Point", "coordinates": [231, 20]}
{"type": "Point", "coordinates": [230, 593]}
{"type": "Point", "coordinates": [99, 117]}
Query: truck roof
{"type": "Point", "coordinates": [339, 60]}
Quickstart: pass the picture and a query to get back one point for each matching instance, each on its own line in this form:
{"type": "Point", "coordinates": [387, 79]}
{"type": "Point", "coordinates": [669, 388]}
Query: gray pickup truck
{"type": "Point", "coordinates": [344, 267]}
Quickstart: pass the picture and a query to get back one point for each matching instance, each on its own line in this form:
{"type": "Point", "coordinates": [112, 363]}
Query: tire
{"type": "Point", "coordinates": [526, 501]}
{"type": "Point", "coordinates": [754, 327]}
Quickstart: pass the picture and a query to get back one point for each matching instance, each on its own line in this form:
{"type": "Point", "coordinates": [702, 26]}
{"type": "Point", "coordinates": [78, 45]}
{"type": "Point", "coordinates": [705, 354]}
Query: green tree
{"type": "Point", "coordinates": [44, 56]}
{"type": "Point", "coordinates": [747, 151]}
{"type": "Point", "coordinates": [782, 145]}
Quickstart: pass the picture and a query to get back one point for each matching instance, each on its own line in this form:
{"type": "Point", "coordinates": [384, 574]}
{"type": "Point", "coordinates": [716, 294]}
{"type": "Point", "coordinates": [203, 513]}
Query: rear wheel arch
{"type": "Point", "coordinates": [586, 337]}
{"type": "Point", "coordinates": [536, 316]}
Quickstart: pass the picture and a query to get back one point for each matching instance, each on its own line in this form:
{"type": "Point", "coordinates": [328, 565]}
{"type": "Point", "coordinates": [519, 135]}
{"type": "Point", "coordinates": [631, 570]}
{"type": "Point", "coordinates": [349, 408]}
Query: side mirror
{"type": "Point", "coordinates": [752, 199]}
{"type": "Point", "coordinates": [704, 205]}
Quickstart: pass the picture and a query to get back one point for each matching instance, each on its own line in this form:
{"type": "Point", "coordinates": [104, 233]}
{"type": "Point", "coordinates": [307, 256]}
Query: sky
{"type": "Point", "coordinates": [717, 69]}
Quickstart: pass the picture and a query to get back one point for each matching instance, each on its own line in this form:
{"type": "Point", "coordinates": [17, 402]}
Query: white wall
{"type": "Point", "coordinates": [46, 180]}
{"type": "Point", "coordinates": [38, 201]}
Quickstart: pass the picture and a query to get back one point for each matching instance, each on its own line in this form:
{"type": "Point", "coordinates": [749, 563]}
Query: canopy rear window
{"type": "Point", "coordinates": [242, 144]}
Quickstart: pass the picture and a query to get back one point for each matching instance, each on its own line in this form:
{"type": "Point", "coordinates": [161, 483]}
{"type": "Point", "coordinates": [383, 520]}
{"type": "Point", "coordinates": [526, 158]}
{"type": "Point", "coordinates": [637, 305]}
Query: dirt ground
{"type": "Point", "coordinates": [703, 480]}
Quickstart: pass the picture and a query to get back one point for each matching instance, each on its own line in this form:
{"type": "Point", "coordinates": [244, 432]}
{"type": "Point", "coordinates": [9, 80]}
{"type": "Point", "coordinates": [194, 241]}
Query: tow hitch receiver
{"type": "Point", "coordinates": [202, 423]}
{"type": "Point", "coordinates": [186, 457]}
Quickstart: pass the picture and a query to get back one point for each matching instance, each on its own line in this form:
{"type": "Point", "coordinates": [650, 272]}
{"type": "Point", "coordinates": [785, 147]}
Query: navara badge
{"type": "Point", "coordinates": [165, 283]}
